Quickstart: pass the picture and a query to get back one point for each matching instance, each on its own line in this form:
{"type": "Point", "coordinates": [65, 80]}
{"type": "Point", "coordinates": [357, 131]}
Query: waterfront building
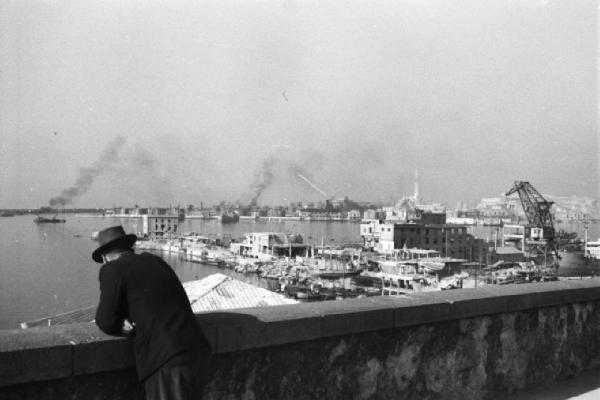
{"type": "Point", "coordinates": [354, 215]}
{"type": "Point", "coordinates": [265, 244]}
{"type": "Point", "coordinates": [321, 214]}
{"type": "Point", "coordinates": [430, 232]}
{"type": "Point", "coordinates": [508, 254]}
{"type": "Point", "coordinates": [276, 212]}
{"type": "Point", "coordinates": [372, 214]}
{"type": "Point", "coordinates": [159, 226]}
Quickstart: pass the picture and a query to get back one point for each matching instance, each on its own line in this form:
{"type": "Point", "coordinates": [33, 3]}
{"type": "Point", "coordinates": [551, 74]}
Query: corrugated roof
{"type": "Point", "coordinates": [215, 292]}
{"type": "Point", "coordinates": [83, 315]}
{"type": "Point", "coordinates": [221, 292]}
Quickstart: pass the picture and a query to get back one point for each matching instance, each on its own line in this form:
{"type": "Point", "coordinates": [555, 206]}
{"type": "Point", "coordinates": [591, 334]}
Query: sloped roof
{"type": "Point", "coordinates": [215, 292]}
{"type": "Point", "coordinates": [508, 250]}
{"type": "Point", "coordinates": [221, 292]}
{"type": "Point", "coordinates": [83, 315]}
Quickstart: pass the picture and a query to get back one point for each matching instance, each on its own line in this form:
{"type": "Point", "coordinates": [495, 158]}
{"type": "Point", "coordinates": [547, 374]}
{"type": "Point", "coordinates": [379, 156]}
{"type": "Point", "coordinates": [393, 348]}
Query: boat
{"type": "Point", "coordinates": [336, 274]}
{"type": "Point", "coordinates": [210, 254]}
{"type": "Point", "coordinates": [7, 214]}
{"type": "Point", "coordinates": [592, 249]}
{"type": "Point", "coordinates": [306, 294]}
{"type": "Point", "coordinates": [227, 218]}
{"type": "Point", "coordinates": [53, 220]}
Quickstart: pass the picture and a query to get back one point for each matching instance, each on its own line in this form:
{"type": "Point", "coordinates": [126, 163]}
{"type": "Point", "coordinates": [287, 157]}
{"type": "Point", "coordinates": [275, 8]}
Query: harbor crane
{"type": "Point", "coordinates": [538, 212]}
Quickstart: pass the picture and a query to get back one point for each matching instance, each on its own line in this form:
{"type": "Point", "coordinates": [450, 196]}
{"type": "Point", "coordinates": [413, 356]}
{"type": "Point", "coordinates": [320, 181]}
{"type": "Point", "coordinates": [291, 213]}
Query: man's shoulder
{"type": "Point", "coordinates": [123, 262]}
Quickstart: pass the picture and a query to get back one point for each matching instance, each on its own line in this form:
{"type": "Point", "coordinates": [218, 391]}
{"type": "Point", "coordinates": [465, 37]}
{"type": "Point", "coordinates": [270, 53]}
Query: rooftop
{"type": "Point", "coordinates": [221, 292]}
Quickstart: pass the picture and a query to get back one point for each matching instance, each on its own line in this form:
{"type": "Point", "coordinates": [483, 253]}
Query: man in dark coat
{"type": "Point", "coordinates": [141, 296]}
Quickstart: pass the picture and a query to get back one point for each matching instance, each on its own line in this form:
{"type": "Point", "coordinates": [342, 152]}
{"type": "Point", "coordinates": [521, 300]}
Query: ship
{"type": "Point", "coordinates": [227, 218]}
{"type": "Point", "coordinates": [53, 220]}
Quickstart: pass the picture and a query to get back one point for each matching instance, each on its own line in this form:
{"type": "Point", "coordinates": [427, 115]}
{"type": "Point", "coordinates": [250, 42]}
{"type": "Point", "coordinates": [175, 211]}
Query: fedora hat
{"type": "Point", "coordinates": [110, 238]}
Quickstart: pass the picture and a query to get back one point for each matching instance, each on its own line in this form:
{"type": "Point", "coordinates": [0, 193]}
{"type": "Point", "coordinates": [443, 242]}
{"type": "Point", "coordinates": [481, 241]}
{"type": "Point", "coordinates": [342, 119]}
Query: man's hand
{"type": "Point", "coordinates": [128, 328]}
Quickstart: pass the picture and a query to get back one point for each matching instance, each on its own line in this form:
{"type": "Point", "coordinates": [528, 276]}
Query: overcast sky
{"type": "Point", "coordinates": [180, 102]}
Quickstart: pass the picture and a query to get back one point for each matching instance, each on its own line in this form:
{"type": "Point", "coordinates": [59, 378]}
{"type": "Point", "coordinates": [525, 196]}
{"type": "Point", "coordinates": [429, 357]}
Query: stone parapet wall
{"type": "Point", "coordinates": [470, 343]}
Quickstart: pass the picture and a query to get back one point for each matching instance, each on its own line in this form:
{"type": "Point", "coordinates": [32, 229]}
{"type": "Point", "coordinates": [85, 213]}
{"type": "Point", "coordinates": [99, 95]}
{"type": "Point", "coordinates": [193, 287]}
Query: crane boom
{"type": "Point", "coordinates": [537, 209]}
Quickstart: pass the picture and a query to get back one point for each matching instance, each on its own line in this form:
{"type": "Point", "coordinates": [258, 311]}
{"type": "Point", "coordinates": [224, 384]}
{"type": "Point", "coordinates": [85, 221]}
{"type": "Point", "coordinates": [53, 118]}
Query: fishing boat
{"type": "Point", "coordinates": [53, 220]}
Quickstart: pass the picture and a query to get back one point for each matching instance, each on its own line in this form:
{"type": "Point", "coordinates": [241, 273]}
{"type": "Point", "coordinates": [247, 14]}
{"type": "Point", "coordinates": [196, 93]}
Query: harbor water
{"type": "Point", "coordinates": [47, 269]}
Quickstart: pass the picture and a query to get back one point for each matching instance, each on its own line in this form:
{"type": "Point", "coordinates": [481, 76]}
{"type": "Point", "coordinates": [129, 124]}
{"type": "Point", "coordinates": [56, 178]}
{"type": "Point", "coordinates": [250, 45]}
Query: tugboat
{"type": "Point", "coordinates": [53, 220]}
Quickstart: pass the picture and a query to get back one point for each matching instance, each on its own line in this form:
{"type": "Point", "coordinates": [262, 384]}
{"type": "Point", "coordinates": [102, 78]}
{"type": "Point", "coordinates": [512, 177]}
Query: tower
{"type": "Point", "coordinates": [416, 194]}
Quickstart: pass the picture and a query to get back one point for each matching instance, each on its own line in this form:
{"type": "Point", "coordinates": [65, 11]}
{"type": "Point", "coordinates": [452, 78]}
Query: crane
{"type": "Point", "coordinates": [538, 212]}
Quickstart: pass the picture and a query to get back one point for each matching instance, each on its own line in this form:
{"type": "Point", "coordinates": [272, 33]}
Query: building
{"type": "Point", "coordinates": [507, 254]}
{"type": "Point", "coordinates": [220, 292]}
{"type": "Point", "coordinates": [320, 214]}
{"type": "Point", "coordinates": [156, 226]}
{"type": "Point", "coordinates": [372, 214]}
{"type": "Point", "coordinates": [430, 232]}
{"type": "Point", "coordinates": [267, 244]}
{"type": "Point", "coordinates": [354, 215]}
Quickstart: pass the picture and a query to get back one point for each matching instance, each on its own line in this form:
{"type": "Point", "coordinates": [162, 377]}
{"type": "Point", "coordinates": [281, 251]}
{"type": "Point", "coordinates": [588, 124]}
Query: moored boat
{"type": "Point", "coordinates": [336, 274]}
{"type": "Point", "coordinates": [227, 218]}
{"type": "Point", "coordinates": [53, 220]}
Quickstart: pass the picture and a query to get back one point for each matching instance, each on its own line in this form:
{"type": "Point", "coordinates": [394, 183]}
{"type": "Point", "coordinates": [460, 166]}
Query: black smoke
{"type": "Point", "coordinates": [263, 178]}
{"type": "Point", "coordinates": [107, 160]}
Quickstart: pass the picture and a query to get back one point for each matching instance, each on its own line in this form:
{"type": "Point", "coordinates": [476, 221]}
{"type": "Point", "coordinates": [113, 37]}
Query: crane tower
{"type": "Point", "coordinates": [538, 212]}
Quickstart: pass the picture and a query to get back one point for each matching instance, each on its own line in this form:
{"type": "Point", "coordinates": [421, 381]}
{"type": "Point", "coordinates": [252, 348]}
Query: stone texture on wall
{"type": "Point", "coordinates": [476, 344]}
{"type": "Point", "coordinates": [474, 358]}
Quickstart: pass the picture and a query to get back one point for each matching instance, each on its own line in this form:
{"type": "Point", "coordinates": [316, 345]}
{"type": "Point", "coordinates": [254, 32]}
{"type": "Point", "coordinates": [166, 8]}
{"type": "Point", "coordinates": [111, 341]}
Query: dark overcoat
{"type": "Point", "coordinates": [145, 290]}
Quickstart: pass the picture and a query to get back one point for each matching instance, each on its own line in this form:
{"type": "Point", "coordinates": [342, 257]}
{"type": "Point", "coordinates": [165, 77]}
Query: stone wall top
{"type": "Point", "coordinates": [61, 351]}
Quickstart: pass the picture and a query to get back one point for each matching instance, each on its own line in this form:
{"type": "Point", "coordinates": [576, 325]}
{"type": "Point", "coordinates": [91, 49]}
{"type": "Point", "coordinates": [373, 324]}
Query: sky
{"type": "Point", "coordinates": [180, 102]}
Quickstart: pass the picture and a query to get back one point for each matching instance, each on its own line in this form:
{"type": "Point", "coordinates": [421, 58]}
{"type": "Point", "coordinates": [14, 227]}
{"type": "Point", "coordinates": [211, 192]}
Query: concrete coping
{"type": "Point", "coordinates": [65, 350]}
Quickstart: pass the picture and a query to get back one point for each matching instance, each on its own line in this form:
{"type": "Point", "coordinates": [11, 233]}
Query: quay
{"type": "Point", "coordinates": [483, 343]}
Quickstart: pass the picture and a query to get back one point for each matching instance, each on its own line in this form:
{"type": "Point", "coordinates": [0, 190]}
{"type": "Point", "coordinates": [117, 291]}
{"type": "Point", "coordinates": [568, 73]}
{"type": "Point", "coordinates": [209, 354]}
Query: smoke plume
{"type": "Point", "coordinates": [262, 179]}
{"type": "Point", "coordinates": [87, 175]}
